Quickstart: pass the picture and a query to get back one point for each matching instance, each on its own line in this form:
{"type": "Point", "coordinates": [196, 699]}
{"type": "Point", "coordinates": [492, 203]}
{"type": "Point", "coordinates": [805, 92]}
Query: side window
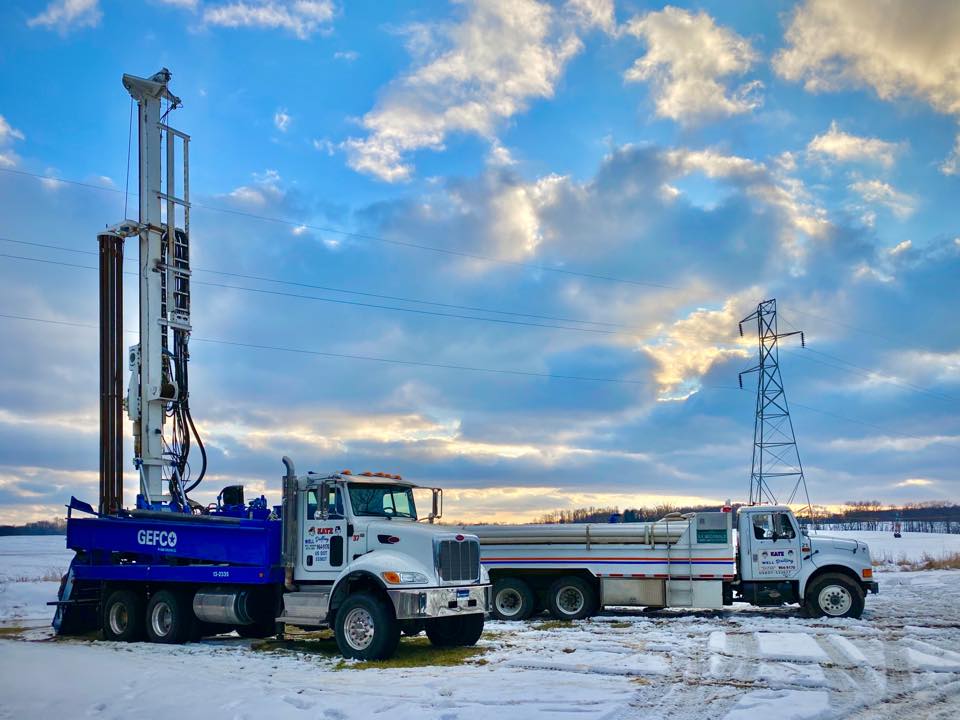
{"type": "Point", "coordinates": [784, 527]}
{"type": "Point", "coordinates": [335, 504]}
{"type": "Point", "coordinates": [762, 526]}
{"type": "Point", "coordinates": [311, 504]}
{"type": "Point", "coordinates": [398, 501]}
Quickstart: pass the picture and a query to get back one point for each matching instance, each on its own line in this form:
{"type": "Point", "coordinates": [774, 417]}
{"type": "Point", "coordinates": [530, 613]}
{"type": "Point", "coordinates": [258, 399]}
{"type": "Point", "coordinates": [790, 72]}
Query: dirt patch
{"type": "Point", "coordinates": [411, 653]}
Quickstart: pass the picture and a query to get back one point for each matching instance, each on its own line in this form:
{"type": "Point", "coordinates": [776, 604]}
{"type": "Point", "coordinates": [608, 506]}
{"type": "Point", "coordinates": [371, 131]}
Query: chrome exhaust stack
{"type": "Point", "coordinates": [290, 522]}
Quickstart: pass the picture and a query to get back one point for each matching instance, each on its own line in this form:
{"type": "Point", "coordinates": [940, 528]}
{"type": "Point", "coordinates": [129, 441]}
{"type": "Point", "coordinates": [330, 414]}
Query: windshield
{"type": "Point", "coordinates": [382, 500]}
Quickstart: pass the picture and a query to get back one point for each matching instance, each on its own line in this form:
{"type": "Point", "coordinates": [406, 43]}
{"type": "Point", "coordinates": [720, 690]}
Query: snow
{"type": "Point", "coordinates": [781, 704]}
{"type": "Point", "coordinates": [33, 557]}
{"type": "Point", "coordinates": [900, 660]}
{"type": "Point", "coordinates": [790, 646]}
{"type": "Point", "coordinates": [912, 547]}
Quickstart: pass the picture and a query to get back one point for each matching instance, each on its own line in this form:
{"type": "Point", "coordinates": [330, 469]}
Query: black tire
{"type": "Point", "coordinates": [411, 628]}
{"type": "Point", "coordinates": [169, 618]}
{"type": "Point", "coordinates": [571, 598]}
{"type": "Point", "coordinates": [456, 631]}
{"type": "Point", "coordinates": [123, 616]}
{"type": "Point", "coordinates": [258, 630]}
{"type": "Point", "coordinates": [833, 595]}
{"type": "Point", "coordinates": [366, 628]}
{"type": "Point", "coordinates": [512, 599]}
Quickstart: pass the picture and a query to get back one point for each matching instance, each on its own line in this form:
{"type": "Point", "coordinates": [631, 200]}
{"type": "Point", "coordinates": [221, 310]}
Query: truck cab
{"type": "Point", "coordinates": [359, 556]}
{"type": "Point", "coordinates": [780, 563]}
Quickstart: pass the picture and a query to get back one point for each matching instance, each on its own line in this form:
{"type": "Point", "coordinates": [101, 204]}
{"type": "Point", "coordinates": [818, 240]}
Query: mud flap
{"type": "Point", "coordinates": [76, 607]}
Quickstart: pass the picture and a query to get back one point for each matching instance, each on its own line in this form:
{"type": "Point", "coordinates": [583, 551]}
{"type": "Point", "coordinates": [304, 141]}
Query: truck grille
{"type": "Point", "coordinates": [458, 561]}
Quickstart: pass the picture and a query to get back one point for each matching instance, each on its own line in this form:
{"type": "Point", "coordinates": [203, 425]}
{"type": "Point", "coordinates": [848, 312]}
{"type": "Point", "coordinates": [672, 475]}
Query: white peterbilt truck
{"type": "Point", "coordinates": [695, 560]}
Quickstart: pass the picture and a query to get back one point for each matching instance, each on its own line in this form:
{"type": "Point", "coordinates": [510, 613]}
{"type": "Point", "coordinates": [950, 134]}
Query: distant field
{"type": "Point", "coordinates": [910, 549]}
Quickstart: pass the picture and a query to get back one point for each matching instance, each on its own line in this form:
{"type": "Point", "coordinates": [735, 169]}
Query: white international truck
{"type": "Point", "coordinates": [695, 560]}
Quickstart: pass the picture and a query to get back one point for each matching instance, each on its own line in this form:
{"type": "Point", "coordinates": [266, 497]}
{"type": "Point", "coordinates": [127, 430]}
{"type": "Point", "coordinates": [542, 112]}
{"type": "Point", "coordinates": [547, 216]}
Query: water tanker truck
{"type": "Point", "coordinates": [694, 560]}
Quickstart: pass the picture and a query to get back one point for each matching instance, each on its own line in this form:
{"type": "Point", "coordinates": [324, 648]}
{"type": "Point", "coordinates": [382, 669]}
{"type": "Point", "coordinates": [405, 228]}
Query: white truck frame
{"type": "Point", "coordinates": [690, 561]}
{"type": "Point", "coordinates": [370, 573]}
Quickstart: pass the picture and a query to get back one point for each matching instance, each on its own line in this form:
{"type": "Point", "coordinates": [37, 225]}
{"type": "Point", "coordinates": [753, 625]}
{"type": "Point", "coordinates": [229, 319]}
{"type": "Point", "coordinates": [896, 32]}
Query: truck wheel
{"type": "Point", "coordinates": [513, 599]}
{"type": "Point", "coordinates": [169, 618]}
{"type": "Point", "coordinates": [366, 628]}
{"type": "Point", "coordinates": [571, 598]}
{"type": "Point", "coordinates": [833, 595]}
{"type": "Point", "coordinates": [459, 630]}
{"type": "Point", "coordinates": [123, 616]}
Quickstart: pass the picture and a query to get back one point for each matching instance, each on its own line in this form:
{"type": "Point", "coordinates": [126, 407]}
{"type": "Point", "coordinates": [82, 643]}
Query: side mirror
{"type": "Point", "coordinates": [805, 532]}
{"type": "Point", "coordinates": [323, 503]}
{"type": "Point", "coordinates": [437, 509]}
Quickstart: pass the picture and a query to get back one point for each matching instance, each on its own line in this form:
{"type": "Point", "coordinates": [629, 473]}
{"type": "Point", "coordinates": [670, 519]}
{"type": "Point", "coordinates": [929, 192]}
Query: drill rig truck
{"type": "Point", "coordinates": [340, 551]}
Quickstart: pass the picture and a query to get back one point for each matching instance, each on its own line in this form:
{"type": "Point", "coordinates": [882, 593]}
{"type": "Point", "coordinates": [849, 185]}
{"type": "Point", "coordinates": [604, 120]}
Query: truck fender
{"type": "Point", "coordinates": [808, 578]}
{"type": "Point", "coordinates": [365, 572]}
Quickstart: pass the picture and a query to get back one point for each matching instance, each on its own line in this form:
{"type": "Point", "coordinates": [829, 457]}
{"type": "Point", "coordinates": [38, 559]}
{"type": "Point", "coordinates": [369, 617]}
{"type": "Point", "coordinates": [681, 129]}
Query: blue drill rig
{"type": "Point", "coordinates": [340, 551]}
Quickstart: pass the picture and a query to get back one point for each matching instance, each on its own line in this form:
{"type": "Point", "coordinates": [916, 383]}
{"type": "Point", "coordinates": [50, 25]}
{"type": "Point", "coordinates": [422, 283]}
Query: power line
{"type": "Point", "coordinates": [857, 369]}
{"type": "Point", "coordinates": [370, 358]}
{"type": "Point", "coordinates": [867, 373]}
{"type": "Point", "coordinates": [366, 236]}
{"type": "Point", "coordinates": [464, 368]}
{"type": "Point", "coordinates": [359, 293]}
{"type": "Point", "coordinates": [337, 301]}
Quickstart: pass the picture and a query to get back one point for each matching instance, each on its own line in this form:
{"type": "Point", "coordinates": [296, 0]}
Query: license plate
{"type": "Point", "coordinates": [463, 594]}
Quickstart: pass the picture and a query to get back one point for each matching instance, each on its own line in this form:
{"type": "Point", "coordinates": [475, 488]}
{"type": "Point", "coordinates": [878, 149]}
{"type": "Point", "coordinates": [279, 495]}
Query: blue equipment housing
{"type": "Point", "coordinates": [222, 548]}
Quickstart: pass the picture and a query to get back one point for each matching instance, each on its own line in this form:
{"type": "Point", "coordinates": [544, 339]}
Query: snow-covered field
{"type": "Point", "coordinates": [912, 547]}
{"type": "Point", "coordinates": [901, 659]}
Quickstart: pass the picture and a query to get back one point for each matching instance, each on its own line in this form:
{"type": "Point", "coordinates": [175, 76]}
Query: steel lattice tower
{"type": "Point", "coordinates": [775, 453]}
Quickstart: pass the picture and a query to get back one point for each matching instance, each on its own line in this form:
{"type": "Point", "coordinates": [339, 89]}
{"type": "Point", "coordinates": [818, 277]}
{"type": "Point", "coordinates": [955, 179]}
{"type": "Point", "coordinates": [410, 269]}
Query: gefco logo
{"type": "Point", "coordinates": [157, 538]}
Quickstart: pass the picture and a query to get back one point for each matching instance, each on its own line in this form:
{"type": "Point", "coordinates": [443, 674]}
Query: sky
{"type": "Point", "coordinates": [501, 247]}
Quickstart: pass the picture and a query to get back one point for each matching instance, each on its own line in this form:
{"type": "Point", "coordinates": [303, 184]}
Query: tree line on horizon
{"type": "Point", "coordinates": [927, 516]}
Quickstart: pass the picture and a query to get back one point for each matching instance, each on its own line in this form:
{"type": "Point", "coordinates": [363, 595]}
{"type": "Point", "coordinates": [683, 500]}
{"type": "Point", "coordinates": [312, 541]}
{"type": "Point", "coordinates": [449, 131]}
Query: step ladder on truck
{"type": "Point", "coordinates": [758, 555]}
{"type": "Point", "coordinates": [341, 551]}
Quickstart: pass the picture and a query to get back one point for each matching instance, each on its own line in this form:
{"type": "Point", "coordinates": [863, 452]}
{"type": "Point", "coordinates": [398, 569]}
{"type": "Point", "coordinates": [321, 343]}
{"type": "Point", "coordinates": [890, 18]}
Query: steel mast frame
{"type": "Point", "coordinates": [774, 440]}
{"type": "Point", "coordinates": [164, 282]}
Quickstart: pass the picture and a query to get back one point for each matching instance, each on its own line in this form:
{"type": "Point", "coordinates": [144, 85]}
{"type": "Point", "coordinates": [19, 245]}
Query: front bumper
{"type": "Point", "coordinates": [423, 603]}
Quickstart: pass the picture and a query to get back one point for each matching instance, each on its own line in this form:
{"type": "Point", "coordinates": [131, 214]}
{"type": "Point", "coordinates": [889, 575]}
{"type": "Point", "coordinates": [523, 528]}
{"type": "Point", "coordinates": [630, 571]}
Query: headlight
{"type": "Point", "coordinates": [405, 578]}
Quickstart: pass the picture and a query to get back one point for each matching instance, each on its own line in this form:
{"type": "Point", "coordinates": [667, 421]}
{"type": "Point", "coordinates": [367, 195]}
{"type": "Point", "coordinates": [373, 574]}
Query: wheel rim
{"type": "Point", "coordinates": [509, 602]}
{"type": "Point", "coordinates": [570, 600]}
{"type": "Point", "coordinates": [358, 629]}
{"type": "Point", "coordinates": [161, 619]}
{"type": "Point", "coordinates": [119, 618]}
{"type": "Point", "coordinates": [835, 600]}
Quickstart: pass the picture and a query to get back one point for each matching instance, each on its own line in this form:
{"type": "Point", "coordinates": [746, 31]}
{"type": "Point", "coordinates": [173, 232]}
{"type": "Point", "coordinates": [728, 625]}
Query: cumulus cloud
{"type": "Point", "coordinates": [264, 191]}
{"type": "Point", "coordinates": [775, 189]}
{"type": "Point", "coordinates": [688, 60]}
{"type": "Point", "coordinates": [907, 49]}
{"type": "Point", "coordinates": [888, 443]}
{"type": "Point", "coordinates": [64, 16]}
{"type": "Point", "coordinates": [475, 74]}
{"type": "Point", "coordinates": [8, 134]}
{"type": "Point", "coordinates": [877, 192]}
{"type": "Point", "coordinates": [281, 119]}
{"type": "Point", "coordinates": [594, 13]}
{"type": "Point", "coordinates": [951, 165]}
{"type": "Point", "coordinates": [303, 18]}
{"type": "Point", "coordinates": [835, 144]}
{"type": "Point", "coordinates": [687, 349]}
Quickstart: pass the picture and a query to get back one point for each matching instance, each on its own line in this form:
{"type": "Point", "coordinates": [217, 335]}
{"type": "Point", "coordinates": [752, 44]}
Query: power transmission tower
{"type": "Point", "coordinates": [775, 453]}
